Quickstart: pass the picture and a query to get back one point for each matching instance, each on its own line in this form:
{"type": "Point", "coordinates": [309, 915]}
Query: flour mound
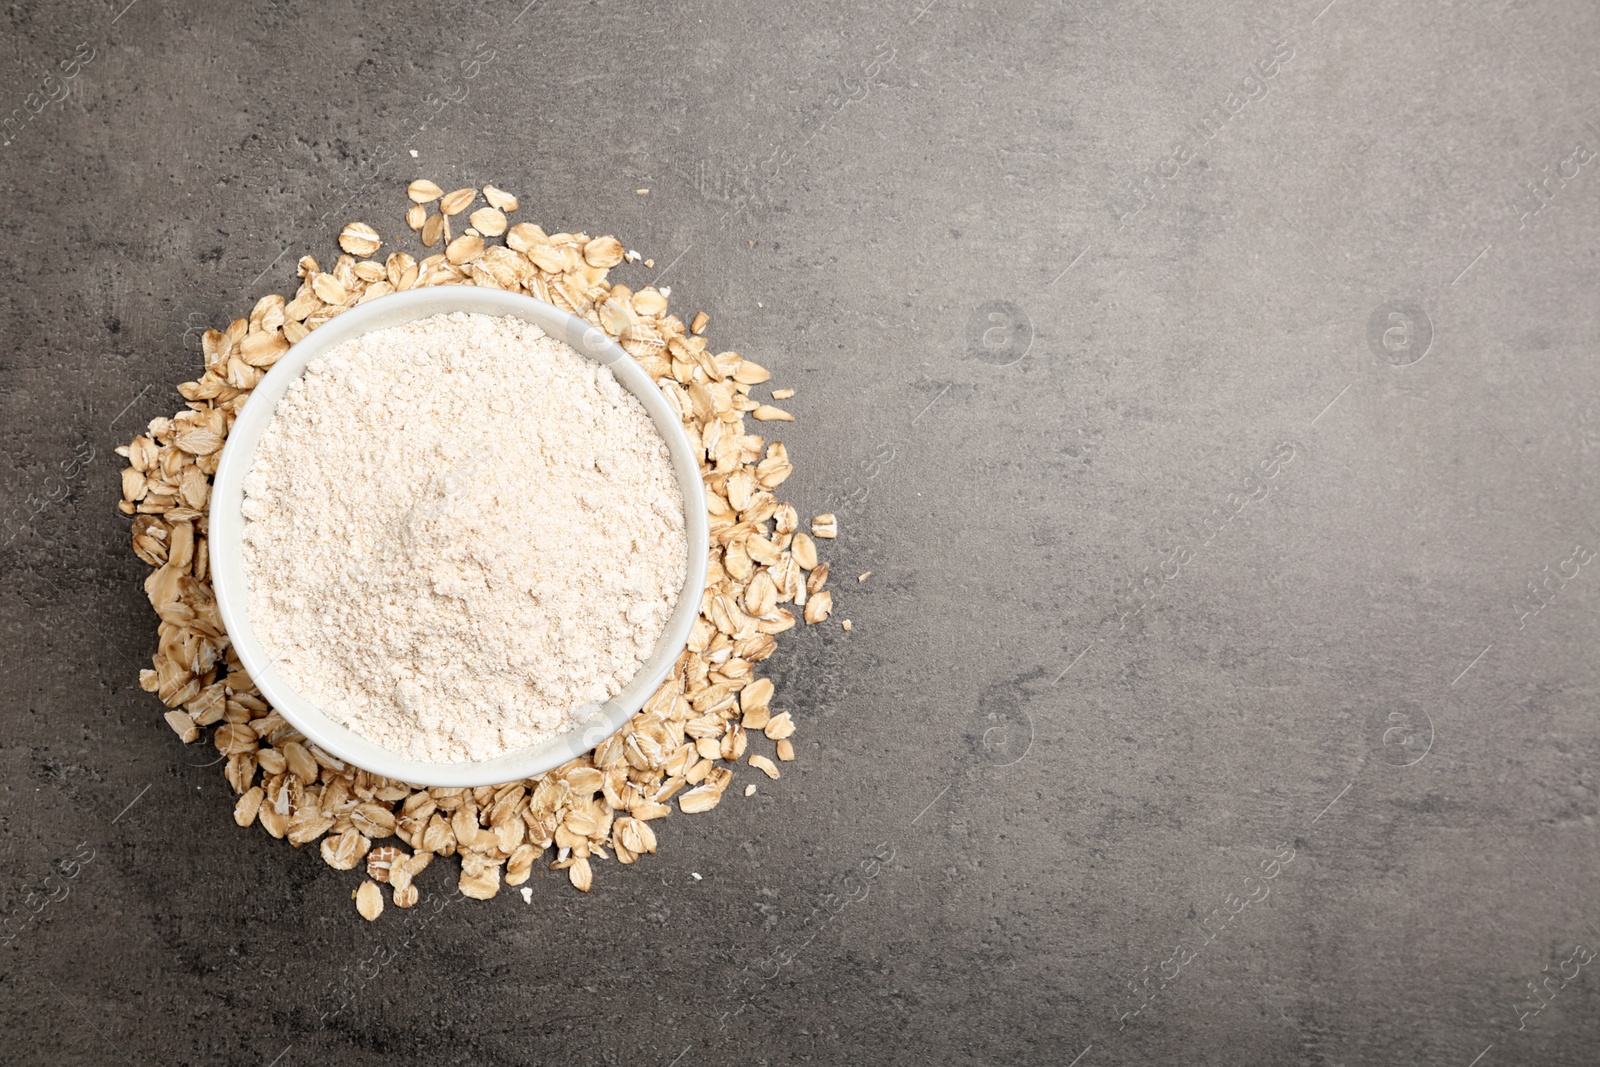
{"type": "Point", "coordinates": [458, 530]}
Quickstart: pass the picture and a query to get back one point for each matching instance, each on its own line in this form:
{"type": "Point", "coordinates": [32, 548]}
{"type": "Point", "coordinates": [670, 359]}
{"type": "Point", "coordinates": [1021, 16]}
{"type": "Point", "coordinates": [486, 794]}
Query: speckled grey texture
{"type": "Point", "coordinates": [1210, 389]}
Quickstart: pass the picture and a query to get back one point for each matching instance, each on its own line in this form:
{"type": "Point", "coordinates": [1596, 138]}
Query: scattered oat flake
{"type": "Point", "coordinates": [599, 806]}
{"type": "Point", "coordinates": [765, 766]}
{"type": "Point", "coordinates": [825, 526]}
{"type": "Point", "coordinates": [646, 192]}
{"type": "Point", "coordinates": [423, 191]}
{"type": "Point", "coordinates": [183, 725]}
{"type": "Point", "coordinates": [818, 608]}
{"type": "Point", "coordinates": [804, 550]}
{"type": "Point", "coordinates": [845, 626]}
{"type": "Point", "coordinates": [863, 576]}
{"type": "Point", "coordinates": [433, 228]}
{"type": "Point", "coordinates": [329, 289]}
{"type": "Point", "coordinates": [456, 202]}
{"type": "Point", "coordinates": [488, 221]}
{"type": "Point", "coordinates": [604, 252]}
{"type": "Point", "coordinates": [381, 860]}
{"type": "Point", "coordinates": [499, 198]}
{"type": "Point", "coordinates": [580, 875]}
{"type": "Point", "coordinates": [749, 372]}
{"type": "Point", "coordinates": [369, 900]}
{"type": "Point", "coordinates": [359, 239]}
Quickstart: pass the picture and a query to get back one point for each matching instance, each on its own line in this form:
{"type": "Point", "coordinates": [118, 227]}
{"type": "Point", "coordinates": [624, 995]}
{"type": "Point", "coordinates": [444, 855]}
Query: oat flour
{"type": "Point", "coordinates": [457, 531]}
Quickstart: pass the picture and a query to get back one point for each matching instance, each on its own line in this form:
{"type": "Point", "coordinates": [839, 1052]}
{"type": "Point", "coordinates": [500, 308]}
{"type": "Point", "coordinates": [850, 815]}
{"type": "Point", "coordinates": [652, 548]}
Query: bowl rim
{"type": "Point", "coordinates": [225, 528]}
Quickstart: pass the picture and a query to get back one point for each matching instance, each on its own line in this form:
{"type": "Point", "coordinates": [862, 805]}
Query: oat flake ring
{"type": "Point", "coordinates": [682, 745]}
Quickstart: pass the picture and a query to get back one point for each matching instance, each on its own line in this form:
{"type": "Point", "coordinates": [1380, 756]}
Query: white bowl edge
{"type": "Point", "coordinates": [226, 528]}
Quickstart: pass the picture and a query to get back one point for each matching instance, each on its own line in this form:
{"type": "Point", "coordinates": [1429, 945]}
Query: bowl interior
{"type": "Point", "coordinates": [226, 528]}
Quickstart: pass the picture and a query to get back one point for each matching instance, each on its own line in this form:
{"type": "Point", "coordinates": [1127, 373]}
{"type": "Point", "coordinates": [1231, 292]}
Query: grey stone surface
{"type": "Point", "coordinates": [1184, 562]}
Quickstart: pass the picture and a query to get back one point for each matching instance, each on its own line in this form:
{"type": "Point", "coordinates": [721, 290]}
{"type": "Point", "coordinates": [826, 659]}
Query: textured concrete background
{"type": "Point", "coordinates": [1212, 394]}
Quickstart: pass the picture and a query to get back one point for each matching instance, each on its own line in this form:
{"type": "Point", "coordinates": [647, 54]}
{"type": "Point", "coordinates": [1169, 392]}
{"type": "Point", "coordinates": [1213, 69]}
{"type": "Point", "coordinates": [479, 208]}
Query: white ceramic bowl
{"type": "Point", "coordinates": [232, 584]}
